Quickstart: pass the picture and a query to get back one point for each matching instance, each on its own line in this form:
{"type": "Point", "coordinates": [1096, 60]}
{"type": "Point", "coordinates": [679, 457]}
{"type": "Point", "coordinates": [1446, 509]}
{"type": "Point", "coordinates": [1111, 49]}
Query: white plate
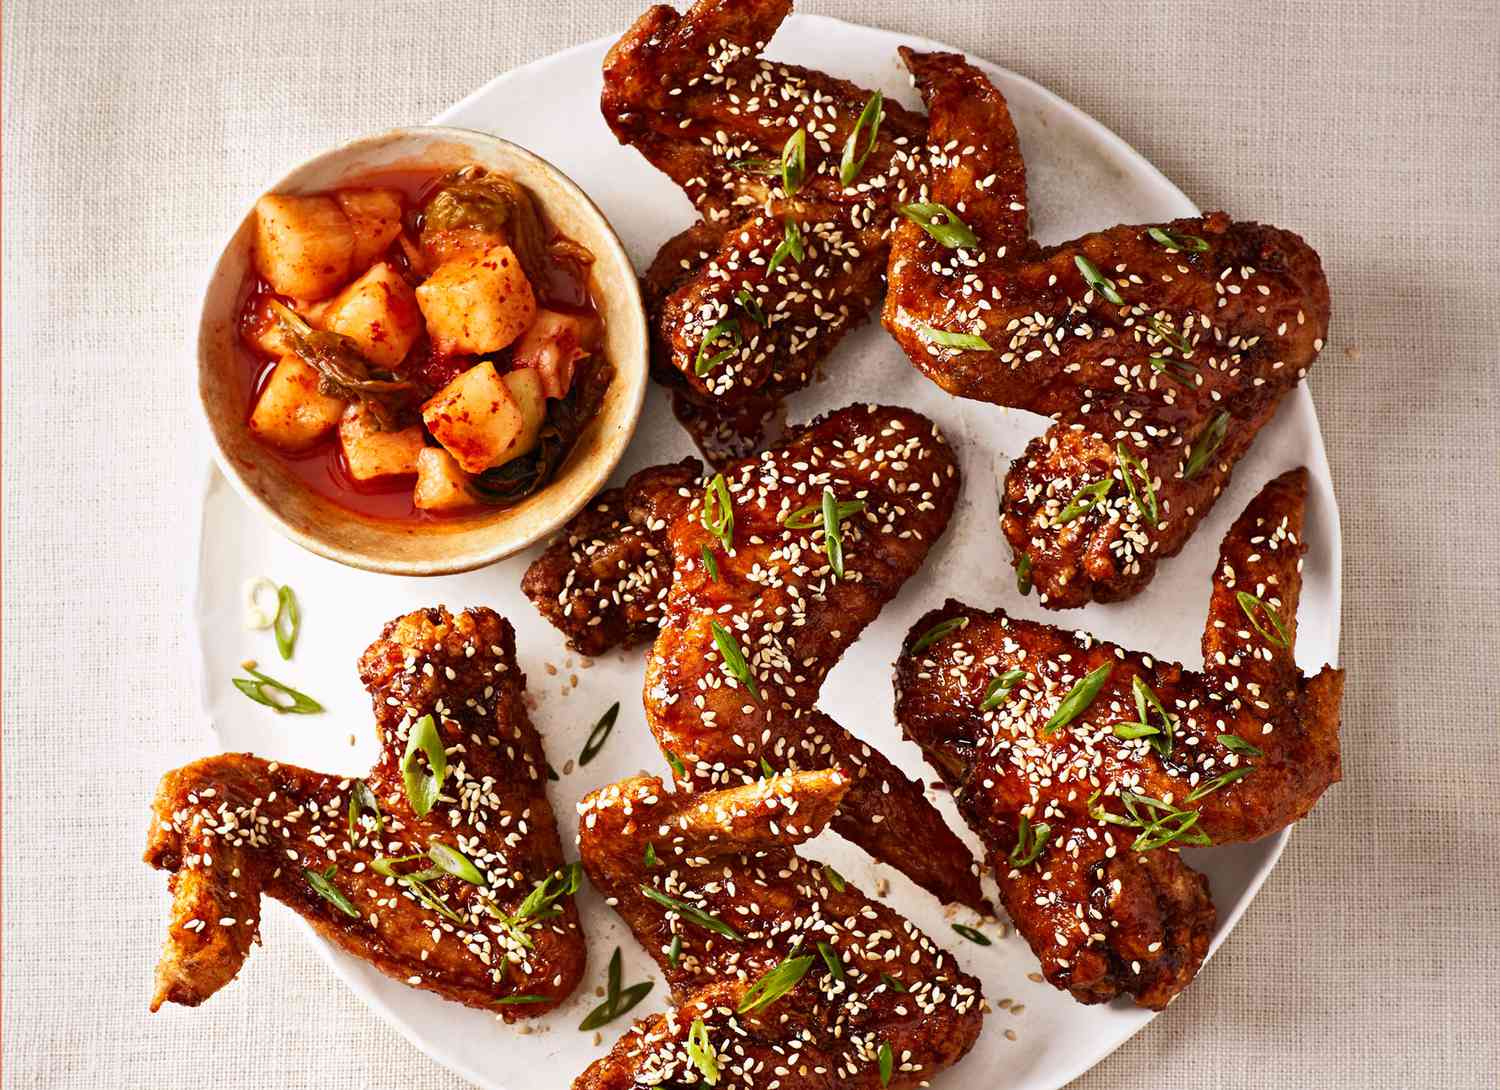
{"type": "Point", "coordinates": [1082, 178]}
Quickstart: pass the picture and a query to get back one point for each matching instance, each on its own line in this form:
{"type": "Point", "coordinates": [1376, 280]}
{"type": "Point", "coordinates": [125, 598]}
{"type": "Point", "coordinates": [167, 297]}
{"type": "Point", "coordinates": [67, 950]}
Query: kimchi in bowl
{"type": "Point", "coordinates": [370, 455]}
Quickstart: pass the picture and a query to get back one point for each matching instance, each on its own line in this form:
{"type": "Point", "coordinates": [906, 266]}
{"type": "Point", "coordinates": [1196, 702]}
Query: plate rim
{"type": "Point", "coordinates": [350, 971]}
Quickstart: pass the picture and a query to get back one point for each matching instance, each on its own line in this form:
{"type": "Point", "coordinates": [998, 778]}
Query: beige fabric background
{"type": "Point", "coordinates": [135, 132]}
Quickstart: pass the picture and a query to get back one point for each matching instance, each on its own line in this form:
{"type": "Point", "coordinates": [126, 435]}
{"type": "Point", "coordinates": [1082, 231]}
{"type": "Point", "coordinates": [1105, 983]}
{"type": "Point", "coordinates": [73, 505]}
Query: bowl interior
{"type": "Point", "coordinates": [450, 544]}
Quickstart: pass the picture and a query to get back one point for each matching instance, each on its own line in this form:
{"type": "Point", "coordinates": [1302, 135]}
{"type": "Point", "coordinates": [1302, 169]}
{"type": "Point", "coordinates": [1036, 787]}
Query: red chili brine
{"type": "Point", "coordinates": [419, 344]}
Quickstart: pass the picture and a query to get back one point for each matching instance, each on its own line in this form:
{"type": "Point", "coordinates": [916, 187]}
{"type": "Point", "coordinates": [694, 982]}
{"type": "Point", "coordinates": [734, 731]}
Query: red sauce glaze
{"type": "Point", "coordinates": [323, 468]}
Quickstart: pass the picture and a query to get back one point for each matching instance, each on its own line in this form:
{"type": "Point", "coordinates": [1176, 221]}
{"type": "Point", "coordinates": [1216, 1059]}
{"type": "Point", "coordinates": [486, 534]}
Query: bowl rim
{"type": "Point", "coordinates": [599, 470]}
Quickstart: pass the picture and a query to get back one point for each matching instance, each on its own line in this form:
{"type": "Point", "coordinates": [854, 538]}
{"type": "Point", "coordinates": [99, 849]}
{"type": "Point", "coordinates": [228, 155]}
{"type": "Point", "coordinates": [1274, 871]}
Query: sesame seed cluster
{"type": "Point", "coordinates": [870, 981]}
{"type": "Point", "coordinates": [1076, 759]}
{"type": "Point", "coordinates": [343, 852]}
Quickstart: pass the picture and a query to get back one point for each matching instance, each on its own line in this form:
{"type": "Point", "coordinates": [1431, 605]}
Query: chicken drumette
{"type": "Point", "coordinates": [1084, 766]}
{"type": "Point", "coordinates": [709, 884]}
{"type": "Point", "coordinates": [746, 302]}
{"type": "Point", "coordinates": [756, 605]}
{"type": "Point", "coordinates": [442, 868]}
{"type": "Point", "coordinates": [1159, 351]}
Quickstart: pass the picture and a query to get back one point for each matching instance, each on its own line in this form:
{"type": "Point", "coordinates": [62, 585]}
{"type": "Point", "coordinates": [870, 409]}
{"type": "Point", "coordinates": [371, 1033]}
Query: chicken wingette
{"type": "Point", "coordinates": [442, 867]}
{"type": "Point", "coordinates": [1084, 767]}
{"type": "Point", "coordinates": [782, 974]}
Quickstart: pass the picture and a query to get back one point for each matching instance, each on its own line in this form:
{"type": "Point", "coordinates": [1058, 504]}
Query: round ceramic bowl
{"type": "Point", "coordinates": [440, 546]}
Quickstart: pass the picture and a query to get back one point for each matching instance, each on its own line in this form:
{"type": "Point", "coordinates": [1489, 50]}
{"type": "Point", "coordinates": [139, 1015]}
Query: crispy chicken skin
{"type": "Point", "coordinates": [603, 583]}
{"type": "Point", "coordinates": [691, 93]}
{"type": "Point", "coordinates": [1252, 746]}
{"type": "Point", "coordinates": [232, 827]}
{"type": "Point", "coordinates": [1178, 360]}
{"type": "Point", "coordinates": [774, 595]}
{"type": "Point", "coordinates": [728, 853]}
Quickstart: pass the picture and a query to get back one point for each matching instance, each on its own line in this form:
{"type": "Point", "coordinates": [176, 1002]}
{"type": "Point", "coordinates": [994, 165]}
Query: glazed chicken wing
{"type": "Point", "coordinates": [756, 614]}
{"type": "Point", "coordinates": [1159, 351]}
{"type": "Point", "coordinates": [710, 886]}
{"type": "Point", "coordinates": [442, 868]}
{"type": "Point", "coordinates": [747, 302]}
{"type": "Point", "coordinates": [1084, 766]}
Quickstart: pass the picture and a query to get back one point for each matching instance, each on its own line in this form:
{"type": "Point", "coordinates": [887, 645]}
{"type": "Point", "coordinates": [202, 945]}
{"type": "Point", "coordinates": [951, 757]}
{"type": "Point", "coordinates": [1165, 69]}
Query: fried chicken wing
{"type": "Point", "coordinates": [442, 868]}
{"type": "Point", "coordinates": [721, 901]}
{"type": "Point", "coordinates": [604, 582]}
{"type": "Point", "coordinates": [747, 302]}
{"type": "Point", "coordinates": [1159, 351]}
{"type": "Point", "coordinates": [756, 614]}
{"type": "Point", "coordinates": [1084, 766]}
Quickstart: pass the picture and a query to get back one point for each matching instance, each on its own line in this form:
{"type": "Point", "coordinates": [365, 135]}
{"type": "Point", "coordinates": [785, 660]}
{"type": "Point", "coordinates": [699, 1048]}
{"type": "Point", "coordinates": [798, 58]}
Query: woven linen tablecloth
{"type": "Point", "coordinates": [136, 133]}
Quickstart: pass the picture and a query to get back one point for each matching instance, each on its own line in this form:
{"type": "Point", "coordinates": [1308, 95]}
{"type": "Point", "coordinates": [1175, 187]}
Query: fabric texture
{"type": "Point", "coordinates": [135, 132]}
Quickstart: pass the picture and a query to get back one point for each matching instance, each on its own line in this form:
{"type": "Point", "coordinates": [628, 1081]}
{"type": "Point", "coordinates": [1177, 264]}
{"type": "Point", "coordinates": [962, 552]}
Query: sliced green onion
{"type": "Point", "coordinates": [617, 1000]}
{"type": "Point", "coordinates": [1078, 699]}
{"type": "Point", "coordinates": [950, 339]}
{"type": "Point", "coordinates": [886, 1060]}
{"type": "Point", "coordinates": [1175, 242]}
{"type": "Point", "coordinates": [1030, 840]}
{"type": "Point", "coordinates": [757, 166]}
{"type": "Point", "coordinates": [286, 637]}
{"type": "Point", "coordinates": [257, 615]}
{"type": "Point", "coordinates": [892, 983]}
{"type": "Point", "coordinates": [422, 788]}
{"type": "Point", "coordinates": [1146, 702]}
{"type": "Point", "coordinates": [853, 160]}
{"type": "Point", "coordinates": [674, 951]}
{"type": "Point", "coordinates": [1023, 575]}
{"type": "Point", "coordinates": [522, 1000]}
{"type": "Point", "coordinates": [726, 329]}
{"type": "Point", "coordinates": [322, 885]}
{"type": "Point", "coordinates": [1163, 329]}
{"type": "Point", "coordinates": [1130, 731]}
{"type": "Point", "coordinates": [599, 735]}
{"type": "Point", "coordinates": [775, 984]}
{"type": "Point", "coordinates": [937, 632]}
{"type": "Point", "coordinates": [941, 222]}
{"type": "Point", "coordinates": [1084, 500]}
{"type": "Point", "coordinates": [649, 856]}
{"type": "Point", "coordinates": [717, 515]}
{"type": "Point", "coordinates": [1098, 281]}
{"type": "Point", "coordinates": [1173, 369]}
{"type": "Point", "coordinates": [266, 690]}
{"type": "Point", "coordinates": [998, 690]}
{"type": "Point", "coordinates": [1235, 744]}
{"type": "Point", "coordinates": [834, 878]}
{"type": "Point", "coordinates": [790, 246]}
{"type": "Point", "coordinates": [1254, 609]}
{"type": "Point", "coordinates": [676, 763]}
{"type": "Point", "coordinates": [709, 563]}
{"type": "Point", "coordinates": [541, 902]}
{"type": "Point", "coordinates": [454, 862]}
{"type": "Point", "coordinates": [831, 959]}
{"type": "Point", "coordinates": [972, 934]}
{"type": "Point", "coordinates": [833, 536]}
{"type": "Point", "coordinates": [811, 516]}
{"type": "Point", "coordinates": [766, 771]}
{"type": "Point", "coordinates": [691, 913]}
{"type": "Point", "coordinates": [1206, 446]}
{"type": "Point", "coordinates": [701, 1052]}
{"type": "Point", "coordinates": [1134, 470]}
{"type": "Point", "coordinates": [794, 162]}
{"type": "Point", "coordinates": [362, 799]}
{"type": "Point", "coordinates": [1178, 825]}
{"type": "Point", "coordinates": [747, 302]}
{"type": "Point", "coordinates": [734, 659]}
